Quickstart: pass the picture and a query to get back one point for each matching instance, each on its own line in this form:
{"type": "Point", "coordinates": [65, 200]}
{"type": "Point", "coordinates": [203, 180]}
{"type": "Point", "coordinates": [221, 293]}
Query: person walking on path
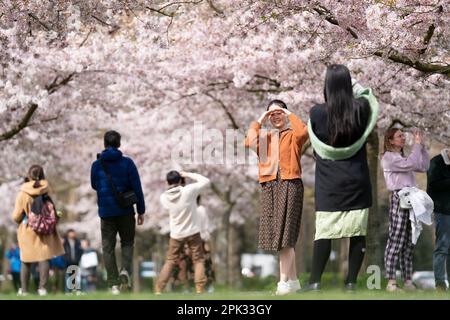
{"type": "Point", "coordinates": [279, 153]}
{"type": "Point", "coordinates": [116, 180]}
{"type": "Point", "coordinates": [36, 245]}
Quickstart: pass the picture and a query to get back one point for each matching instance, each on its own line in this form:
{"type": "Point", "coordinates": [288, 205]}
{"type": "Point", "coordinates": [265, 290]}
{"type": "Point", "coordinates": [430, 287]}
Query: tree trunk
{"type": "Point", "coordinates": [234, 255]}
{"type": "Point", "coordinates": [222, 255]}
{"type": "Point", "coordinates": [374, 251]}
{"type": "Point", "coordinates": [5, 244]}
{"type": "Point", "coordinates": [343, 256]}
{"type": "Point", "coordinates": [136, 264]}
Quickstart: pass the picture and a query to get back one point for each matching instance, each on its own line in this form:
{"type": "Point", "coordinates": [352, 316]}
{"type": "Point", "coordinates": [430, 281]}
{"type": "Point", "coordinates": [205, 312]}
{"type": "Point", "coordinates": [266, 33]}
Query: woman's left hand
{"type": "Point", "coordinates": [286, 111]}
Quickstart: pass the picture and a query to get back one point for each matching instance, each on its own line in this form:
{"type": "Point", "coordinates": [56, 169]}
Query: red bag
{"type": "Point", "coordinates": [42, 218]}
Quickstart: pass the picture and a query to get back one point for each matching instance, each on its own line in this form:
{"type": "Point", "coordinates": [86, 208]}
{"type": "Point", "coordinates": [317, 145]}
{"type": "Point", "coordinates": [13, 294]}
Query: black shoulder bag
{"type": "Point", "coordinates": [124, 199]}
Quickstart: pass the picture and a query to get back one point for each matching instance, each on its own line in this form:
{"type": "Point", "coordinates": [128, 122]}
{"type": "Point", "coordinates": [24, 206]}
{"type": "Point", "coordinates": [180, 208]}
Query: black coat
{"type": "Point", "coordinates": [341, 185]}
{"type": "Point", "coordinates": [78, 251]}
{"type": "Point", "coordinates": [438, 186]}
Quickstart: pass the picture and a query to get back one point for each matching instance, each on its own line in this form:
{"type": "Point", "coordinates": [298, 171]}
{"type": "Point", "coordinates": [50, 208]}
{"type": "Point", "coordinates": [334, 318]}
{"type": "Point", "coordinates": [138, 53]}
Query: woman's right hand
{"type": "Point", "coordinates": [264, 117]}
{"type": "Point", "coordinates": [418, 136]}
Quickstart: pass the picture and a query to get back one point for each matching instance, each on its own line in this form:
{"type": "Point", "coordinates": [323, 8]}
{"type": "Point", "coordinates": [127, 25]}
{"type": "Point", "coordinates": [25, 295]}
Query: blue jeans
{"type": "Point", "coordinates": [441, 256]}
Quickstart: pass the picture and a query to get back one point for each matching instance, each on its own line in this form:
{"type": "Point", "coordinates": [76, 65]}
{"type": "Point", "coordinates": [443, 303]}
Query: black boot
{"type": "Point", "coordinates": [312, 287]}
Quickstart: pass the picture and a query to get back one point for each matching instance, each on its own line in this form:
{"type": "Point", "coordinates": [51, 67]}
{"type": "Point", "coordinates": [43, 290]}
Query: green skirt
{"type": "Point", "coordinates": [341, 224]}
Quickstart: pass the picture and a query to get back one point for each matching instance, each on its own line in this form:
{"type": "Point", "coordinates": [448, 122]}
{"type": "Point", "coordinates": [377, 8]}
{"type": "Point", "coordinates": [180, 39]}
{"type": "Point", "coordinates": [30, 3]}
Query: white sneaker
{"type": "Point", "coordinates": [42, 292]}
{"type": "Point", "coordinates": [282, 288]}
{"type": "Point", "coordinates": [115, 290]}
{"type": "Point", "coordinates": [21, 293]}
{"type": "Point", "coordinates": [393, 287]}
{"type": "Point", "coordinates": [294, 285]}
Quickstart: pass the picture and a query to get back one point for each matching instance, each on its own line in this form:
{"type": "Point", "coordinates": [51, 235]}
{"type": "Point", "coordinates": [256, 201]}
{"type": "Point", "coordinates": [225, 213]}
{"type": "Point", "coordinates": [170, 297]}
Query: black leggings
{"type": "Point", "coordinates": [321, 253]}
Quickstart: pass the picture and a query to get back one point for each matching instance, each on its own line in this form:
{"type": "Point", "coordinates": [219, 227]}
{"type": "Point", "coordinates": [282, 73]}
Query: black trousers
{"type": "Point", "coordinates": [125, 226]}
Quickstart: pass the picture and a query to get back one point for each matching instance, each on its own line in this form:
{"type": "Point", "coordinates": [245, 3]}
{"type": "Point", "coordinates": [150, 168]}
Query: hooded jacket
{"type": "Point", "coordinates": [181, 202]}
{"type": "Point", "coordinates": [125, 177]}
{"type": "Point", "coordinates": [34, 247]}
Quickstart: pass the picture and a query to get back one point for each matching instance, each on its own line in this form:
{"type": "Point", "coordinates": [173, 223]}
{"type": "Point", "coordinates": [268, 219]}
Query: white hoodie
{"type": "Point", "coordinates": [181, 202]}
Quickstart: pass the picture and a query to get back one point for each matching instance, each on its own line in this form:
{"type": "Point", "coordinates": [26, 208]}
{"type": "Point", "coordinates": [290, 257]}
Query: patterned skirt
{"type": "Point", "coordinates": [281, 212]}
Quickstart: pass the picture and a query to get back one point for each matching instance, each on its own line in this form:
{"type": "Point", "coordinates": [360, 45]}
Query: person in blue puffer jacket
{"type": "Point", "coordinates": [115, 218]}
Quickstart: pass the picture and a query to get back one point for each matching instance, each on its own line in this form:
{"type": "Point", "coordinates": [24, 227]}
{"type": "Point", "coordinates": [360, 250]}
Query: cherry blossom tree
{"type": "Point", "coordinates": [69, 70]}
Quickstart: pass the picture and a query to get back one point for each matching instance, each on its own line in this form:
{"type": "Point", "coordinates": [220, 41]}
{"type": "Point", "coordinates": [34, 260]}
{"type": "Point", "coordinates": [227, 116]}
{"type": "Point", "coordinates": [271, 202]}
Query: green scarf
{"type": "Point", "coordinates": [328, 152]}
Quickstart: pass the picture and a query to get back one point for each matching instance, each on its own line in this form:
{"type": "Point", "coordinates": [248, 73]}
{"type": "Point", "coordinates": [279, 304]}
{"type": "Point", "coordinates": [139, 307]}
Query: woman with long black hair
{"type": "Point", "coordinates": [338, 130]}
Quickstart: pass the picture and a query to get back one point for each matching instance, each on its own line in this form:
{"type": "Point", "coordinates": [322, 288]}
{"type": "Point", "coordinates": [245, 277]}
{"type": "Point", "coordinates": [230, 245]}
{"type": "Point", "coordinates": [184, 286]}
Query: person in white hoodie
{"type": "Point", "coordinates": [181, 202]}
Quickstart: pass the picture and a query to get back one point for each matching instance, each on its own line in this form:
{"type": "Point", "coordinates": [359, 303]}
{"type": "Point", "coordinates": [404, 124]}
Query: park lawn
{"type": "Point", "coordinates": [245, 295]}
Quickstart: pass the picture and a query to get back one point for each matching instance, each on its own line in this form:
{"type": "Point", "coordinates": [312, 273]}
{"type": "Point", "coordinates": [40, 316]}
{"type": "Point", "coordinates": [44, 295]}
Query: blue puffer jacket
{"type": "Point", "coordinates": [125, 177]}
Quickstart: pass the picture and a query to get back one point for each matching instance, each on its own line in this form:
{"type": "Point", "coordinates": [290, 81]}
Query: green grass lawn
{"type": "Point", "coordinates": [245, 295]}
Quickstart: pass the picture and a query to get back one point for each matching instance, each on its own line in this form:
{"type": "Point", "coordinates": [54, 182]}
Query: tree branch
{"type": "Point", "coordinates": [227, 112]}
{"type": "Point", "coordinates": [51, 88]}
{"type": "Point", "coordinates": [161, 12]}
{"type": "Point", "coordinates": [85, 39]}
{"type": "Point", "coordinates": [214, 7]}
{"type": "Point", "coordinates": [217, 191]}
{"type": "Point", "coordinates": [47, 119]}
{"type": "Point", "coordinates": [22, 124]}
{"type": "Point", "coordinates": [30, 14]}
{"type": "Point", "coordinates": [55, 85]}
{"type": "Point", "coordinates": [394, 55]}
{"type": "Point", "coordinates": [427, 38]}
{"type": "Point", "coordinates": [180, 2]}
{"type": "Point", "coordinates": [418, 65]}
{"type": "Point", "coordinates": [430, 32]}
{"type": "Point", "coordinates": [269, 90]}
{"type": "Point", "coordinates": [400, 122]}
{"type": "Point", "coordinates": [331, 19]}
{"type": "Point", "coordinates": [100, 20]}
{"type": "Point", "coordinates": [171, 15]}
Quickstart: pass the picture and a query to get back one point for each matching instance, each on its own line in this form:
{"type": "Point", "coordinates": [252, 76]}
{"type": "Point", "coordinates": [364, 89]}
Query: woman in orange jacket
{"type": "Point", "coordinates": [279, 153]}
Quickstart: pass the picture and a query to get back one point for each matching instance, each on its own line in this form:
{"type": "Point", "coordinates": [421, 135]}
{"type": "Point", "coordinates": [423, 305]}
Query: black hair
{"type": "Point", "coordinates": [35, 173]}
{"type": "Point", "coordinates": [343, 115]}
{"type": "Point", "coordinates": [279, 103]}
{"type": "Point", "coordinates": [173, 177]}
{"type": "Point", "coordinates": [112, 139]}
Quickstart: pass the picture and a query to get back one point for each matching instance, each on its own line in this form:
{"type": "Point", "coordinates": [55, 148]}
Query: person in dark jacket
{"type": "Point", "coordinates": [438, 187]}
{"type": "Point", "coordinates": [343, 192]}
{"type": "Point", "coordinates": [72, 256]}
{"type": "Point", "coordinates": [115, 218]}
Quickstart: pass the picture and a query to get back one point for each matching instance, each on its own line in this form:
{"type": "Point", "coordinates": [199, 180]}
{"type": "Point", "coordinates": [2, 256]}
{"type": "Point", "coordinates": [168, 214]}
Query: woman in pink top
{"type": "Point", "coordinates": [399, 173]}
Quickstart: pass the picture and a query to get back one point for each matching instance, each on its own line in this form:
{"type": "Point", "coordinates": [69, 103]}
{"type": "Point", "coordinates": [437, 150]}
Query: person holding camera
{"type": "Point", "coordinates": [116, 180]}
{"type": "Point", "coordinates": [399, 172]}
{"type": "Point", "coordinates": [180, 201]}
